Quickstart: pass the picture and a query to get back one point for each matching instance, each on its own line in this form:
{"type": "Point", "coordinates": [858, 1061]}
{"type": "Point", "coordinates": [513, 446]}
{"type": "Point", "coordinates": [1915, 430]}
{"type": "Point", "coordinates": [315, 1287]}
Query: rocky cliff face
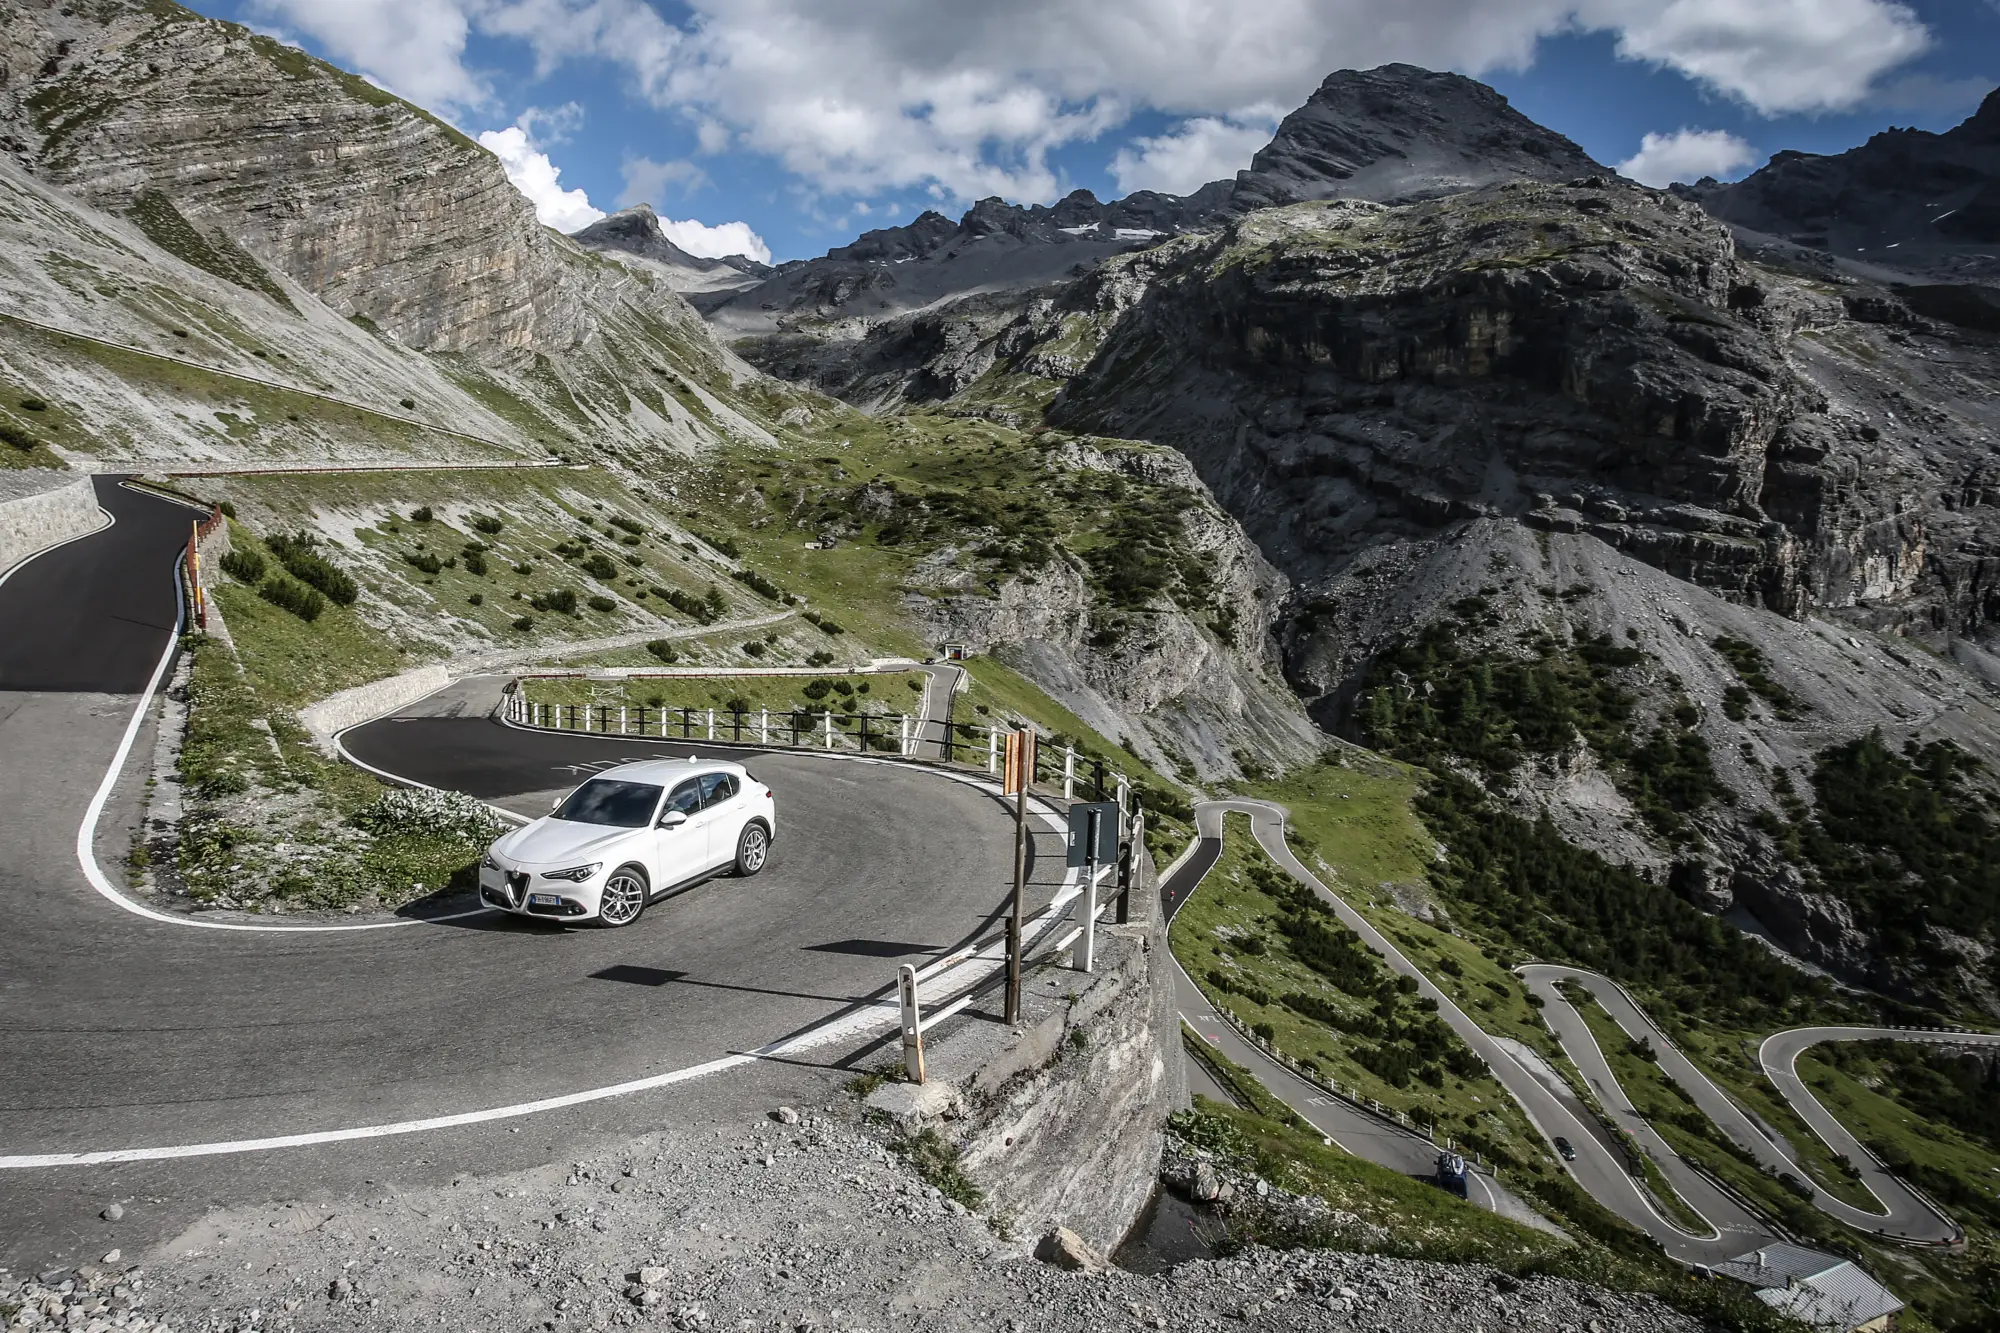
{"type": "Point", "coordinates": [1910, 200]}
{"type": "Point", "coordinates": [1400, 133]}
{"type": "Point", "coordinates": [379, 208]}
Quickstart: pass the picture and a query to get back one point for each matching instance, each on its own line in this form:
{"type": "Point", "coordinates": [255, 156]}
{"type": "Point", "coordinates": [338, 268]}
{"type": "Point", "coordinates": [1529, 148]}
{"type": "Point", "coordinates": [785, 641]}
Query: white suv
{"type": "Point", "coordinates": [628, 835]}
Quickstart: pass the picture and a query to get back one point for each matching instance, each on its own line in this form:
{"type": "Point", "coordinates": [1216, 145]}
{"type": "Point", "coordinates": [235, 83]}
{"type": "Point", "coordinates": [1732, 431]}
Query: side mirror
{"type": "Point", "coordinates": [673, 819]}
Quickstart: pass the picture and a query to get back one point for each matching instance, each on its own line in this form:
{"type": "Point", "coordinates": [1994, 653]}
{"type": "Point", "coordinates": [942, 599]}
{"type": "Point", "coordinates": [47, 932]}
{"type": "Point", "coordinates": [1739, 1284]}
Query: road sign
{"type": "Point", "coordinates": [1093, 832]}
{"type": "Point", "coordinates": [1020, 772]}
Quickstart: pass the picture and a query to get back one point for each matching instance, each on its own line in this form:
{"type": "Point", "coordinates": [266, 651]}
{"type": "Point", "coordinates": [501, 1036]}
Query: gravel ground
{"type": "Point", "coordinates": [803, 1227]}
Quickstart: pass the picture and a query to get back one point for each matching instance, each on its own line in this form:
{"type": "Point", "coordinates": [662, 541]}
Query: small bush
{"type": "Point", "coordinates": [561, 599]}
{"type": "Point", "coordinates": [524, 623]}
{"type": "Point", "coordinates": [602, 603]}
{"type": "Point", "coordinates": [244, 566]}
{"type": "Point", "coordinates": [33, 405]}
{"type": "Point", "coordinates": [763, 586]}
{"type": "Point", "coordinates": [477, 599]}
{"type": "Point", "coordinates": [817, 689]}
{"type": "Point", "coordinates": [755, 648]}
{"type": "Point", "coordinates": [487, 524]}
{"type": "Point", "coordinates": [303, 602]}
{"type": "Point", "coordinates": [300, 556]}
{"type": "Point", "coordinates": [524, 570]}
{"type": "Point", "coordinates": [421, 514]}
{"type": "Point", "coordinates": [722, 544]}
{"type": "Point", "coordinates": [631, 525]}
{"type": "Point", "coordinates": [663, 650]}
{"type": "Point", "coordinates": [406, 402]}
{"type": "Point", "coordinates": [14, 435]}
{"type": "Point", "coordinates": [599, 567]}
{"type": "Point", "coordinates": [424, 560]}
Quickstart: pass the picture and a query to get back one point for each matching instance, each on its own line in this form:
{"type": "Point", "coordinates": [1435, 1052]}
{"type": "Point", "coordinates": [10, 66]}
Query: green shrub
{"type": "Point", "coordinates": [228, 509]}
{"type": "Point", "coordinates": [477, 599]}
{"type": "Point", "coordinates": [631, 525]}
{"type": "Point", "coordinates": [15, 436]}
{"type": "Point", "coordinates": [524, 570]}
{"type": "Point", "coordinates": [754, 648]}
{"type": "Point", "coordinates": [425, 561]}
{"type": "Point", "coordinates": [722, 544]}
{"type": "Point", "coordinates": [560, 599]}
{"type": "Point", "coordinates": [300, 556]}
{"type": "Point", "coordinates": [524, 623]}
{"type": "Point", "coordinates": [599, 567]}
{"type": "Point", "coordinates": [421, 514]}
{"type": "Point", "coordinates": [406, 402]}
{"type": "Point", "coordinates": [757, 582]}
{"type": "Point", "coordinates": [244, 566]}
{"type": "Point", "coordinates": [303, 602]}
{"type": "Point", "coordinates": [817, 689]}
{"type": "Point", "coordinates": [33, 405]}
{"type": "Point", "coordinates": [475, 563]}
{"type": "Point", "coordinates": [487, 524]}
{"type": "Point", "coordinates": [602, 603]}
{"type": "Point", "coordinates": [664, 650]}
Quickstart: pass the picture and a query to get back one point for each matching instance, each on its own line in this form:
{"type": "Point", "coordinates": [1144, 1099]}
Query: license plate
{"type": "Point", "coordinates": [544, 900]}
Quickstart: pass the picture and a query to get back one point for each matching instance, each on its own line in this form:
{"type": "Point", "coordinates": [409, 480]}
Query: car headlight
{"type": "Point", "coordinates": [487, 862]}
{"type": "Point", "coordinates": [575, 874]}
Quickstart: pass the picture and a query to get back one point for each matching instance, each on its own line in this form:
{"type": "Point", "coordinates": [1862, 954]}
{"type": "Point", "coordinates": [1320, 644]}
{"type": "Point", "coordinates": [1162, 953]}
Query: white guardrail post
{"type": "Point", "coordinates": [1086, 948]}
{"type": "Point", "coordinates": [903, 734]}
{"type": "Point", "coordinates": [992, 750]}
{"type": "Point", "coordinates": [764, 726]}
{"type": "Point", "coordinates": [711, 724]}
{"type": "Point", "coordinates": [913, 1023]}
{"type": "Point", "coordinates": [1069, 773]}
{"type": "Point", "coordinates": [828, 717]}
{"type": "Point", "coordinates": [623, 729]}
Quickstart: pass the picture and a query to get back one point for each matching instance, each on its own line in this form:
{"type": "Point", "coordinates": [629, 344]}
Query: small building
{"type": "Point", "coordinates": [1823, 1290]}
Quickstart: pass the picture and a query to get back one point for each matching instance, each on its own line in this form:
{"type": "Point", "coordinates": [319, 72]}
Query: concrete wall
{"type": "Point", "coordinates": [1062, 1119]}
{"type": "Point", "coordinates": [39, 509]}
{"type": "Point", "coordinates": [365, 703]}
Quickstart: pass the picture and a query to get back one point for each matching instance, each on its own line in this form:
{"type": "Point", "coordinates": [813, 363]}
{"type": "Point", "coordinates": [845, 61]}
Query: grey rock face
{"type": "Point", "coordinates": [1908, 199]}
{"type": "Point", "coordinates": [1400, 132]}
{"type": "Point", "coordinates": [379, 208]}
{"type": "Point", "coordinates": [636, 231]}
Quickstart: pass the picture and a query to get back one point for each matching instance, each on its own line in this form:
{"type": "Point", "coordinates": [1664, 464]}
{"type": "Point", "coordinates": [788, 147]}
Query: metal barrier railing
{"type": "Point", "coordinates": [1079, 776]}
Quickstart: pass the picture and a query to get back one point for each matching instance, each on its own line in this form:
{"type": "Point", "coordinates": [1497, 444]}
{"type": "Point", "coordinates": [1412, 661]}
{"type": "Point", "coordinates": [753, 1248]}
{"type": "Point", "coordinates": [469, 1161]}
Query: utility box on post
{"type": "Point", "coordinates": [1093, 833]}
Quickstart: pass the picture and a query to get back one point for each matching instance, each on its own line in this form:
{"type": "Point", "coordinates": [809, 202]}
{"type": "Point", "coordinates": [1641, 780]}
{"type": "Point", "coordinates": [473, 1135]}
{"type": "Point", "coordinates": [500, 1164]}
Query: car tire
{"type": "Point", "coordinates": [623, 901]}
{"type": "Point", "coordinates": [753, 849]}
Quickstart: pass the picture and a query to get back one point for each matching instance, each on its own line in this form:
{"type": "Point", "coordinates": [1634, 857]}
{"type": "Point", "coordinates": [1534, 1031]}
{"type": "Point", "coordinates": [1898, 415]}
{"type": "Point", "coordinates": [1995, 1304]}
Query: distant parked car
{"type": "Point", "coordinates": [627, 836]}
{"type": "Point", "coordinates": [1563, 1150]}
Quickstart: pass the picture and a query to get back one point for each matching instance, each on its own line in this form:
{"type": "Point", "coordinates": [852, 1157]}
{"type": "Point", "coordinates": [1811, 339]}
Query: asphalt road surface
{"type": "Point", "coordinates": [1367, 1136]}
{"type": "Point", "coordinates": [1904, 1216]}
{"type": "Point", "coordinates": [126, 1035]}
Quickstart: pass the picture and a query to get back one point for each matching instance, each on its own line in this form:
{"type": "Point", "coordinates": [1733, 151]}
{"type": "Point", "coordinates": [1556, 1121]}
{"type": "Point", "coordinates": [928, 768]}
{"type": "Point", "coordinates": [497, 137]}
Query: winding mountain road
{"type": "Point", "coordinates": [1732, 1229]}
{"type": "Point", "coordinates": [176, 1067]}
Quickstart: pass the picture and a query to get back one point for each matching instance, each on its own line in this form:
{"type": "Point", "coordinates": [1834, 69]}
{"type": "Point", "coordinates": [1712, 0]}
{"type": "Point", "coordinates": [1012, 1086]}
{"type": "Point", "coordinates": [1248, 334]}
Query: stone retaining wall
{"type": "Point", "coordinates": [365, 703]}
{"type": "Point", "coordinates": [38, 510]}
{"type": "Point", "coordinates": [1061, 1120]}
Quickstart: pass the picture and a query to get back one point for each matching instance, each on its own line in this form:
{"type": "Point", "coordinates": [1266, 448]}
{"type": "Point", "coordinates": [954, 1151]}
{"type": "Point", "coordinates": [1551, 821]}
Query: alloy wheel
{"type": "Point", "coordinates": [623, 899]}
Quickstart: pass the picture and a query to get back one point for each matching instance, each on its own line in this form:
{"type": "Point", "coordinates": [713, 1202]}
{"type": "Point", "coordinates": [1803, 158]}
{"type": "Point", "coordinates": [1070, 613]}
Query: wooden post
{"type": "Point", "coordinates": [913, 1023]}
{"type": "Point", "coordinates": [1019, 777]}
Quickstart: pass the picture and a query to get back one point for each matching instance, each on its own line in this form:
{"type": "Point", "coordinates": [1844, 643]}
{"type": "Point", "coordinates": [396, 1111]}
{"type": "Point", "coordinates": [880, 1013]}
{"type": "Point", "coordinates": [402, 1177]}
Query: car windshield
{"type": "Point", "coordinates": [618, 804]}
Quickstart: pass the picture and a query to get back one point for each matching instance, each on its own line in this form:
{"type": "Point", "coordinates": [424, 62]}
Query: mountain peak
{"type": "Point", "coordinates": [637, 231]}
{"type": "Point", "coordinates": [1399, 132]}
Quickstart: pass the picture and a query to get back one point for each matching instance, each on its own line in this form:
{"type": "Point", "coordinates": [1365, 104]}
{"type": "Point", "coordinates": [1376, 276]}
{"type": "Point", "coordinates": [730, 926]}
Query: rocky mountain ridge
{"type": "Point", "coordinates": [636, 232]}
{"type": "Point", "coordinates": [1387, 134]}
{"type": "Point", "coordinates": [1906, 204]}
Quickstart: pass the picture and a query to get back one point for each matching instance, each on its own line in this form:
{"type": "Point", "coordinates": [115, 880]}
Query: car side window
{"type": "Point", "coordinates": [686, 797]}
{"type": "Point", "coordinates": [716, 788]}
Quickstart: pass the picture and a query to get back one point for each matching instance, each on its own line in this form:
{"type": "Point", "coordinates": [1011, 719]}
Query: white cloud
{"type": "Point", "coordinates": [963, 98]}
{"type": "Point", "coordinates": [414, 48]}
{"type": "Point", "coordinates": [647, 181]}
{"type": "Point", "coordinates": [717, 242]}
{"type": "Point", "coordinates": [1687, 155]}
{"type": "Point", "coordinates": [1777, 56]}
{"type": "Point", "coordinates": [535, 176]}
{"type": "Point", "coordinates": [1193, 153]}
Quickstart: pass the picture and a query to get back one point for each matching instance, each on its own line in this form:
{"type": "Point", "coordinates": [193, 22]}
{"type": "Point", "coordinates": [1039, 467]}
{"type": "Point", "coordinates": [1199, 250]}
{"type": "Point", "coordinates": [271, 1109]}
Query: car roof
{"type": "Point", "coordinates": [667, 772]}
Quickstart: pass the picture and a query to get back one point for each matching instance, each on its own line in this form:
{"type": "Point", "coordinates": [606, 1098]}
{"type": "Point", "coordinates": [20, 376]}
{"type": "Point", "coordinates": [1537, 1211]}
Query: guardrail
{"type": "Point", "coordinates": [910, 978]}
{"type": "Point", "coordinates": [1079, 776]}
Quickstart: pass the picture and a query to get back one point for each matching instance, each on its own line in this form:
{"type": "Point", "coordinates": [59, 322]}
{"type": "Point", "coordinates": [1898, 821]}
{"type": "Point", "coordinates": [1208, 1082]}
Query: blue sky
{"type": "Point", "coordinates": [780, 128]}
